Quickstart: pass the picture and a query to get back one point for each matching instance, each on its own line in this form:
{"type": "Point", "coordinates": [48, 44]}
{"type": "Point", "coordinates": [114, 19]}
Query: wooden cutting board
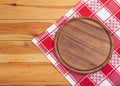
{"type": "Point", "coordinates": [83, 45]}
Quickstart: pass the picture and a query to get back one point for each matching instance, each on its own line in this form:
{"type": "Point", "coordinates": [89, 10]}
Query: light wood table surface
{"type": "Point", "coordinates": [21, 20]}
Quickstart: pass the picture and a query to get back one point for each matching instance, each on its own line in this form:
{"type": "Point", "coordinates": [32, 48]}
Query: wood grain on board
{"type": "Point", "coordinates": [35, 74]}
{"type": "Point", "coordinates": [83, 45]}
{"type": "Point", "coordinates": [20, 21]}
{"type": "Point", "coordinates": [34, 9]}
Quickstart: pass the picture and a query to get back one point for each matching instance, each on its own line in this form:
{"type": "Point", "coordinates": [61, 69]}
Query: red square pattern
{"type": "Point", "coordinates": [48, 43]}
{"type": "Point", "coordinates": [52, 52]}
{"type": "Point", "coordinates": [106, 70]}
{"type": "Point", "coordinates": [61, 21]}
{"type": "Point", "coordinates": [77, 76]}
{"type": "Point", "coordinates": [115, 78]}
{"type": "Point", "coordinates": [85, 11]}
{"type": "Point", "coordinates": [112, 6]}
{"type": "Point", "coordinates": [86, 82]}
{"type": "Point", "coordinates": [42, 48]}
{"type": "Point", "coordinates": [116, 42]}
{"type": "Point", "coordinates": [103, 1]}
{"type": "Point", "coordinates": [94, 17]}
{"type": "Point", "coordinates": [118, 15]}
{"type": "Point", "coordinates": [118, 50]}
{"type": "Point", "coordinates": [78, 5]}
{"type": "Point", "coordinates": [41, 36]}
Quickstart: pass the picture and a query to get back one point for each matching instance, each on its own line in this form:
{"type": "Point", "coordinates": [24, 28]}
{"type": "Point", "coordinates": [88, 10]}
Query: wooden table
{"type": "Point", "coordinates": [21, 20]}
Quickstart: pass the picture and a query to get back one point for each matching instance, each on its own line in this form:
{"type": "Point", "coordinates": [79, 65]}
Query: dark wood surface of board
{"type": "Point", "coordinates": [83, 45]}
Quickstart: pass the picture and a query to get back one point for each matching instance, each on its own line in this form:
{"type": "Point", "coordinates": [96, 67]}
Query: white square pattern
{"type": "Point", "coordinates": [115, 60]}
{"type": "Point", "coordinates": [70, 80]}
{"type": "Point", "coordinates": [94, 5]}
{"type": "Point", "coordinates": [96, 77]}
{"type": "Point", "coordinates": [68, 14]}
{"type": "Point", "coordinates": [118, 1]}
{"type": "Point", "coordinates": [51, 59]}
{"type": "Point", "coordinates": [118, 69]}
{"type": "Point", "coordinates": [113, 24]}
{"type": "Point", "coordinates": [103, 14]}
{"type": "Point", "coordinates": [118, 33]}
{"type": "Point", "coordinates": [85, 0]}
{"type": "Point", "coordinates": [51, 28]}
{"type": "Point", "coordinates": [105, 83]}
{"type": "Point", "coordinates": [34, 41]}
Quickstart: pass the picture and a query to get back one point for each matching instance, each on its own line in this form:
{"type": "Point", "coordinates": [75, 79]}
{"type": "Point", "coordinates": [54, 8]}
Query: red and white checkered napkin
{"type": "Point", "coordinates": [105, 11]}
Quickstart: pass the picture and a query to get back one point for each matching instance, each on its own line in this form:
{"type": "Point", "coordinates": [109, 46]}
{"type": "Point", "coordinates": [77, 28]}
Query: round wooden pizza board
{"type": "Point", "coordinates": [83, 45]}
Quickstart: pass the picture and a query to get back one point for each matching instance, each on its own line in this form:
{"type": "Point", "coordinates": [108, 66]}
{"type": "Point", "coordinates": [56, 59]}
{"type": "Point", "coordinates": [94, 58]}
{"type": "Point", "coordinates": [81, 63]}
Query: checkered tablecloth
{"type": "Point", "coordinates": [105, 11]}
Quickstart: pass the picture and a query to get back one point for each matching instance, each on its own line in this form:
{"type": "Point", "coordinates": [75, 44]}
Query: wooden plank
{"type": "Point", "coordinates": [30, 74]}
{"type": "Point", "coordinates": [20, 21]}
{"type": "Point", "coordinates": [41, 2]}
{"type": "Point", "coordinates": [20, 51]}
{"type": "Point", "coordinates": [15, 42]}
{"type": "Point", "coordinates": [22, 31]}
{"type": "Point", "coordinates": [28, 21]}
{"type": "Point", "coordinates": [34, 9]}
{"type": "Point", "coordinates": [39, 57]}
